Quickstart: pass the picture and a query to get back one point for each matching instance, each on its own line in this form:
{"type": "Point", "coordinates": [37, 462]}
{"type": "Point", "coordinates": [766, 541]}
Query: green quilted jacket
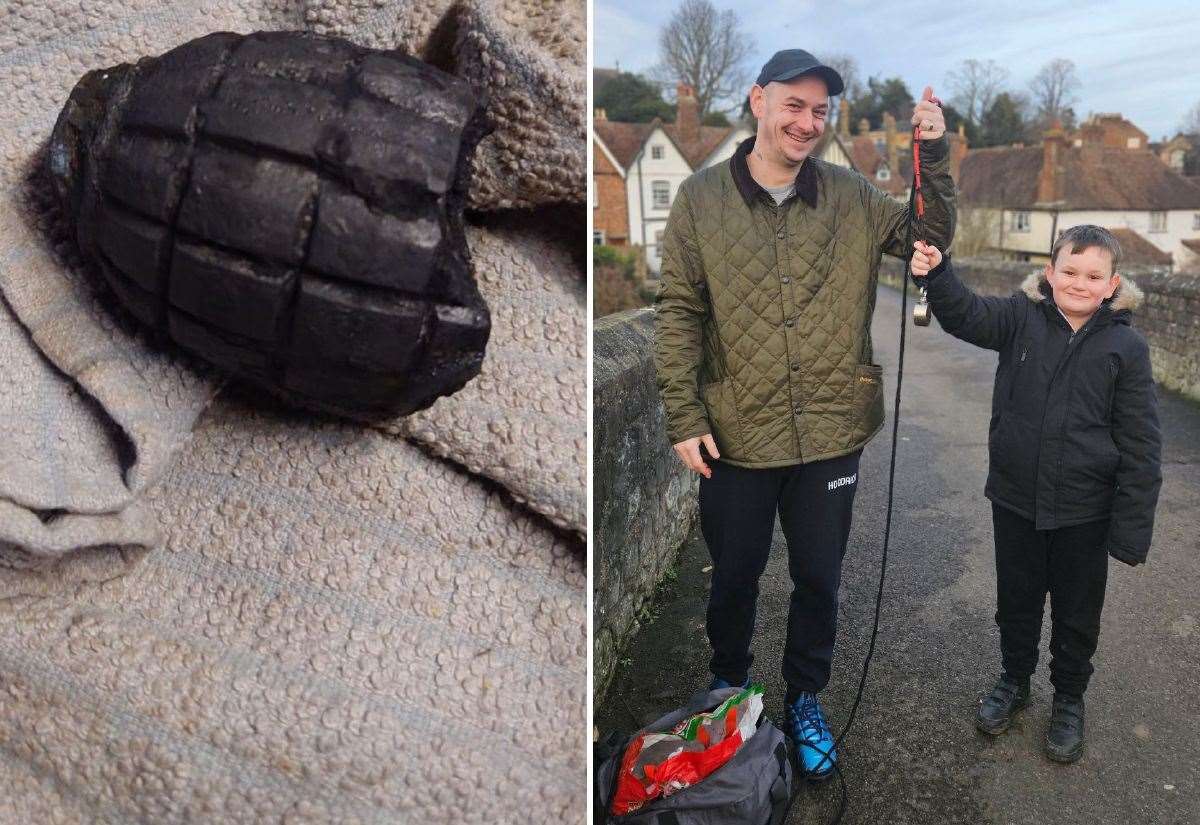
{"type": "Point", "coordinates": [763, 315]}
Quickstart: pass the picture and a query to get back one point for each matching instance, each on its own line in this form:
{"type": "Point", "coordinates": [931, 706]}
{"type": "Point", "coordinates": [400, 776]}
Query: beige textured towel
{"type": "Point", "coordinates": [338, 628]}
{"type": "Point", "coordinates": [251, 614]}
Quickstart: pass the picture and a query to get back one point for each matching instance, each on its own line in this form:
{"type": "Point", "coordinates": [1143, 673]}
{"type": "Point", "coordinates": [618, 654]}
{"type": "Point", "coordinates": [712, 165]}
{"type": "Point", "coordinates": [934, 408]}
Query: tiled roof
{"type": "Point", "coordinates": [625, 139]}
{"type": "Point", "coordinates": [1137, 250]}
{"type": "Point", "coordinates": [867, 160]}
{"type": "Point", "coordinates": [1093, 177]}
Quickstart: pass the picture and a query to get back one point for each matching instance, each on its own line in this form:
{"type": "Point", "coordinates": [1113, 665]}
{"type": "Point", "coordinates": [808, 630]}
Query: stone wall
{"type": "Point", "coordinates": [1169, 317]}
{"type": "Point", "coordinates": [644, 500]}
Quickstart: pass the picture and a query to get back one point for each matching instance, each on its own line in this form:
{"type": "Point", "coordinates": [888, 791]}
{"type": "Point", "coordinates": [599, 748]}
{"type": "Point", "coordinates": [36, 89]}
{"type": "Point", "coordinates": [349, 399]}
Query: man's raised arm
{"type": "Point", "coordinates": [937, 187]}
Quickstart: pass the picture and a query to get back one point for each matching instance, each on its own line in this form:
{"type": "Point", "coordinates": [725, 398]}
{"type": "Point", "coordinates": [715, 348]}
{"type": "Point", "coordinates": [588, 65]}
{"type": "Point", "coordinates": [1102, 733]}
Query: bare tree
{"type": "Point", "coordinates": [705, 49]}
{"type": "Point", "coordinates": [1054, 90]}
{"type": "Point", "coordinates": [1190, 125]}
{"type": "Point", "coordinates": [847, 67]}
{"type": "Point", "coordinates": [974, 85]}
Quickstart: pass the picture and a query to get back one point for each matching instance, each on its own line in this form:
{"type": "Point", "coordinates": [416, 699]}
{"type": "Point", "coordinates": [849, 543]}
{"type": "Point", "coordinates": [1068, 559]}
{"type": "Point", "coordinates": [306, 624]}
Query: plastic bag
{"type": "Point", "coordinates": [661, 763]}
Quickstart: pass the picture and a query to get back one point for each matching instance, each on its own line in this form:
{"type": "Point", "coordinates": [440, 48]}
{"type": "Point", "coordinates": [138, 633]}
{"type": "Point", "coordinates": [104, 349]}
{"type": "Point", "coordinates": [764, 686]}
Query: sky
{"type": "Point", "coordinates": [1141, 58]}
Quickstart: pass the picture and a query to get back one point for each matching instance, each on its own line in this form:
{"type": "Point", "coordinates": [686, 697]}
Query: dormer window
{"type": "Point", "coordinates": [656, 153]}
{"type": "Point", "coordinates": [883, 173]}
{"type": "Point", "coordinates": [1158, 221]}
{"type": "Point", "coordinates": [1020, 221]}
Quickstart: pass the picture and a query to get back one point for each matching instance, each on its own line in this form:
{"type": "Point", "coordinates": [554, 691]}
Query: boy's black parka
{"type": "Point", "coordinates": [1074, 434]}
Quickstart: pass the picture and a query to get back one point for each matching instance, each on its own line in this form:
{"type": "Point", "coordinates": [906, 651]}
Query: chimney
{"type": "Point", "coordinates": [958, 151]}
{"type": "Point", "coordinates": [1054, 144]}
{"type": "Point", "coordinates": [844, 118]}
{"type": "Point", "coordinates": [600, 115]}
{"type": "Point", "coordinates": [893, 151]}
{"type": "Point", "coordinates": [687, 114]}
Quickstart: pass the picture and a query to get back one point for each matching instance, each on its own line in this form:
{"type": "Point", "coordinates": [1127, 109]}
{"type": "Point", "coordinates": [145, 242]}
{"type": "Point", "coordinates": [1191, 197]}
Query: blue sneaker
{"type": "Point", "coordinates": [720, 684]}
{"type": "Point", "coordinates": [812, 737]}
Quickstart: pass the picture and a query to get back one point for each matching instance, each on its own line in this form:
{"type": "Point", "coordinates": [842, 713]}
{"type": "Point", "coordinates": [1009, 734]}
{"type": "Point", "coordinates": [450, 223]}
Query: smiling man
{"type": "Point", "coordinates": [764, 360]}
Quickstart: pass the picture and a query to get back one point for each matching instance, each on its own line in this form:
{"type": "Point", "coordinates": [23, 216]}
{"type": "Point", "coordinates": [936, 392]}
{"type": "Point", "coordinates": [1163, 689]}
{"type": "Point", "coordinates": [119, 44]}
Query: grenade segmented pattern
{"type": "Point", "coordinates": [288, 206]}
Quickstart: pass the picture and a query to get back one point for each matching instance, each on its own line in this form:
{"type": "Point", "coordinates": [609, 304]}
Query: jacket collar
{"type": "Point", "coordinates": [749, 189]}
{"type": "Point", "coordinates": [1118, 309]}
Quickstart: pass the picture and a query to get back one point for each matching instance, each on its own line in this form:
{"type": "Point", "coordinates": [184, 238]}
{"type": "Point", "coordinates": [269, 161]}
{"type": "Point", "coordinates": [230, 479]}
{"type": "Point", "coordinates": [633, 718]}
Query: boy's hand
{"type": "Point", "coordinates": [924, 259]}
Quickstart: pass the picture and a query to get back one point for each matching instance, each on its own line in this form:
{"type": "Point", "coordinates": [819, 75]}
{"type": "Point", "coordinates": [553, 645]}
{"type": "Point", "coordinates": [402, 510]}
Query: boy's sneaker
{"type": "Point", "coordinates": [810, 733]}
{"type": "Point", "coordinates": [1064, 739]}
{"type": "Point", "coordinates": [720, 684]}
{"type": "Point", "coordinates": [997, 708]}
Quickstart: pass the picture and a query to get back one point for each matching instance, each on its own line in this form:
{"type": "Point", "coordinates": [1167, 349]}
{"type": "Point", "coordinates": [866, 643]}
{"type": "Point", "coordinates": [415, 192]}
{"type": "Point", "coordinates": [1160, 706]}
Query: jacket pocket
{"type": "Point", "coordinates": [723, 414]}
{"type": "Point", "coordinates": [1020, 356]}
{"type": "Point", "coordinates": [1113, 369]}
{"type": "Point", "coordinates": [868, 400]}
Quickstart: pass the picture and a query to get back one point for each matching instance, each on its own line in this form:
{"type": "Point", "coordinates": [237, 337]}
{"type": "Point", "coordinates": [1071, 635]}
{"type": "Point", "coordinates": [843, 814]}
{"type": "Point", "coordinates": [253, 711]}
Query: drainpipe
{"type": "Point", "coordinates": [1053, 230]}
{"type": "Point", "coordinates": [642, 201]}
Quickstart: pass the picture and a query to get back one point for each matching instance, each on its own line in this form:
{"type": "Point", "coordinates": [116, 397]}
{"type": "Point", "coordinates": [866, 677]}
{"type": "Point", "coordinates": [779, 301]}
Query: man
{"type": "Point", "coordinates": [764, 360]}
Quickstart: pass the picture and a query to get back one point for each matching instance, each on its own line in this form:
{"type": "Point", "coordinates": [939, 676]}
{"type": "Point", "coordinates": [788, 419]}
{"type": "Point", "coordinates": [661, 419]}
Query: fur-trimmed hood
{"type": "Point", "coordinates": [1128, 295]}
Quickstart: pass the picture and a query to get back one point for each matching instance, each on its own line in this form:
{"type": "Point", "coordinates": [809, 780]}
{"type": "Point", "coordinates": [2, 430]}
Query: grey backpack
{"type": "Point", "coordinates": [752, 788]}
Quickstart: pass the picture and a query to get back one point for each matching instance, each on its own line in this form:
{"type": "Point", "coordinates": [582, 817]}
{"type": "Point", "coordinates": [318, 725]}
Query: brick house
{"type": "Point", "coordinates": [1028, 194]}
{"type": "Point", "coordinates": [610, 212]}
{"type": "Point", "coordinates": [650, 160]}
{"type": "Point", "coordinates": [1111, 130]}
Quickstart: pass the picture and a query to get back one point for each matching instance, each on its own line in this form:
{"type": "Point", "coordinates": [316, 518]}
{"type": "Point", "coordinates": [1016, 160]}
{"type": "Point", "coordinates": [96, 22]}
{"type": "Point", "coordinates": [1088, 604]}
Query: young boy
{"type": "Point", "coordinates": [1073, 459]}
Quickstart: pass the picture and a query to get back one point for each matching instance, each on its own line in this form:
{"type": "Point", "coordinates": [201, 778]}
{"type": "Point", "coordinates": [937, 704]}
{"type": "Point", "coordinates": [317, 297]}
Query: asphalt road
{"type": "Point", "coordinates": [913, 755]}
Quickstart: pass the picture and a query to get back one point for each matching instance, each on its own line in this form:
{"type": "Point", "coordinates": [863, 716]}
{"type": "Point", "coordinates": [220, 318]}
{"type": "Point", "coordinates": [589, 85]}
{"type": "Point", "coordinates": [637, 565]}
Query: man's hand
{"type": "Point", "coordinates": [689, 453]}
{"type": "Point", "coordinates": [928, 116]}
{"type": "Point", "coordinates": [925, 259]}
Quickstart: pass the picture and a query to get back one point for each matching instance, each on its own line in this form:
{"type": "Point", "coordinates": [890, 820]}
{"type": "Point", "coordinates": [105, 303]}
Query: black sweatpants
{"type": "Point", "coordinates": [1069, 563]}
{"type": "Point", "coordinates": [737, 518]}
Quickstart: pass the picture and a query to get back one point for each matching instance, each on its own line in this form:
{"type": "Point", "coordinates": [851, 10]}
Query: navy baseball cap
{"type": "Point", "coordinates": [791, 63]}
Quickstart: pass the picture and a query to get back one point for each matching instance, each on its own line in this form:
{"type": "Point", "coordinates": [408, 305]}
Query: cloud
{"type": "Point", "coordinates": [623, 36]}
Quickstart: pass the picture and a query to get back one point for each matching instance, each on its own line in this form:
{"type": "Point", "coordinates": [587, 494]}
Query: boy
{"type": "Point", "coordinates": [1073, 459]}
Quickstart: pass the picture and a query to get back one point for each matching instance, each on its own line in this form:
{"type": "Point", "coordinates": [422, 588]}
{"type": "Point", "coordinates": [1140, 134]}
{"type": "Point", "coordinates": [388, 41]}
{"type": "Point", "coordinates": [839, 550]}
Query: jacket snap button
{"type": "Point", "coordinates": [779, 235]}
{"type": "Point", "coordinates": [789, 322]}
{"type": "Point", "coordinates": [786, 279]}
{"type": "Point", "coordinates": [795, 367]}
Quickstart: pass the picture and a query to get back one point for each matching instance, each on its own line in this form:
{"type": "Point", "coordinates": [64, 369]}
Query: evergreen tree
{"type": "Point", "coordinates": [890, 95]}
{"type": "Point", "coordinates": [631, 98]}
{"type": "Point", "coordinates": [1003, 123]}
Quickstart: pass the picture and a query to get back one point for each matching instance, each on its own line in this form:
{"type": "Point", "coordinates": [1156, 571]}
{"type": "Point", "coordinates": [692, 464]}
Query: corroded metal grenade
{"type": "Point", "coordinates": [287, 206]}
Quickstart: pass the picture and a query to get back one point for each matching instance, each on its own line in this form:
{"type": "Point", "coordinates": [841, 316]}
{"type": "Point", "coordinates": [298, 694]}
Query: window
{"type": "Point", "coordinates": [1020, 222]}
{"type": "Point", "coordinates": [879, 146]}
{"type": "Point", "coordinates": [595, 194]}
{"type": "Point", "coordinates": [658, 236]}
{"type": "Point", "coordinates": [598, 237]}
{"type": "Point", "coordinates": [1158, 221]}
{"type": "Point", "coordinates": [883, 173]}
{"type": "Point", "coordinates": [661, 190]}
{"type": "Point", "coordinates": [1196, 220]}
{"type": "Point", "coordinates": [1133, 143]}
{"type": "Point", "coordinates": [656, 153]}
